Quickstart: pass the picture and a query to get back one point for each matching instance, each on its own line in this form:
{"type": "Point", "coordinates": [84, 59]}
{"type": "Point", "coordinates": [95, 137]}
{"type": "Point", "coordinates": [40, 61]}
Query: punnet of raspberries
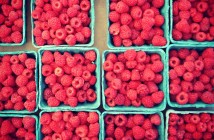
{"type": "Point", "coordinates": [61, 22]}
{"type": "Point", "coordinates": [136, 23]}
{"type": "Point", "coordinates": [191, 126]}
{"type": "Point", "coordinates": [191, 75]}
{"type": "Point", "coordinates": [132, 127]}
{"type": "Point", "coordinates": [193, 20]}
{"type": "Point", "coordinates": [69, 77]}
{"type": "Point", "coordinates": [11, 21]}
{"type": "Point", "coordinates": [18, 128]}
{"type": "Point", "coordinates": [133, 78]}
{"type": "Point", "coordinates": [70, 125]}
{"type": "Point", "coordinates": [17, 82]}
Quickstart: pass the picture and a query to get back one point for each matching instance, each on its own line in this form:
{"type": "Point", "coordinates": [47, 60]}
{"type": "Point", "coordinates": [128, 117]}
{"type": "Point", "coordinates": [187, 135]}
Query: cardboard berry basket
{"type": "Point", "coordinates": [41, 136]}
{"type": "Point", "coordinates": [92, 26]}
{"type": "Point", "coordinates": [24, 28]}
{"type": "Point", "coordinates": [161, 86]}
{"type": "Point", "coordinates": [31, 54]}
{"type": "Point", "coordinates": [164, 11]}
{"type": "Point", "coordinates": [42, 85]}
{"type": "Point", "coordinates": [168, 112]}
{"type": "Point", "coordinates": [160, 127]}
{"type": "Point", "coordinates": [198, 104]}
{"type": "Point", "coordinates": [22, 116]}
{"type": "Point", "coordinates": [182, 41]}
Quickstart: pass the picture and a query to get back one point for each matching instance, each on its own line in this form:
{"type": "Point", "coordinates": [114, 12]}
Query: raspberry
{"type": "Point", "coordinates": [70, 40]}
{"type": "Point", "coordinates": [119, 99]}
{"type": "Point", "coordinates": [4, 31]}
{"type": "Point", "coordinates": [81, 131]}
{"type": "Point", "coordinates": [182, 98]}
{"type": "Point", "coordinates": [157, 66]}
{"type": "Point", "coordinates": [16, 4]}
{"type": "Point", "coordinates": [109, 119]}
{"type": "Point", "coordinates": [151, 133]}
{"type": "Point", "coordinates": [7, 127]}
{"type": "Point", "coordinates": [158, 3]}
{"type": "Point", "coordinates": [28, 122]}
{"type": "Point", "coordinates": [207, 97]}
{"type": "Point", "coordinates": [118, 133]}
{"type": "Point", "coordinates": [21, 80]}
{"type": "Point", "coordinates": [53, 102]}
{"type": "Point", "coordinates": [157, 97]}
{"type": "Point", "coordinates": [30, 63]}
{"type": "Point", "coordinates": [121, 7]}
{"type": "Point", "coordinates": [202, 6]}
{"type": "Point", "coordinates": [193, 97]}
{"type": "Point", "coordinates": [159, 41]}
{"type": "Point", "coordinates": [120, 120]}
{"type": "Point", "coordinates": [190, 127]}
{"type": "Point", "coordinates": [54, 23]}
{"type": "Point", "coordinates": [155, 119]}
{"type": "Point", "coordinates": [138, 132]}
{"type": "Point", "coordinates": [94, 130]}
{"type": "Point", "coordinates": [130, 3]}
{"type": "Point", "coordinates": [184, 5]}
{"type": "Point", "coordinates": [114, 16]}
{"type": "Point", "coordinates": [72, 101]}
{"type": "Point", "coordinates": [136, 12]}
{"type": "Point", "coordinates": [45, 118]}
{"type": "Point", "coordinates": [30, 105]}
{"type": "Point", "coordinates": [147, 102]}
{"type": "Point", "coordinates": [125, 32]}
{"type": "Point", "coordinates": [183, 23]}
{"type": "Point", "coordinates": [148, 75]}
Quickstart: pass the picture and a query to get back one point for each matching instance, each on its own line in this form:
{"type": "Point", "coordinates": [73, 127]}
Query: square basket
{"type": "Point", "coordinates": [198, 104]}
{"type": "Point", "coordinates": [160, 127]}
{"type": "Point", "coordinates": [162, 86]}
{"type": "Point", "coordinates": [31, 54]}
{"type": "Point", "coordinates": [22, 116]}
{"type": "Point", "coordinates": [24, 28]}
{"type": "Point", "coordinates": [164, 11]}
{"type": "Point", "coordinates": [168, 112]}
{"type": "Point", "coordinates": [41, 136]}
{"type": "Point", "coordinates": [42, 85]}
{"type": "Point", "coordinates": [91, 26]}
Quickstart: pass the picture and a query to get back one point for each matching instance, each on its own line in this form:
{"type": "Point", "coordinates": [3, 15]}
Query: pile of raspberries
{"type": "Point", "coordinates": [132, 79]}
{"type": "Point", "coordinates": [11, 21]}
{"type": "Point", "coordinates": [15, 128]}
{"type": "Point", "coordinates": [69, 78]}
{"type": "Point", "coordinates": [193, 20]}
{"type": "Point", "coordinates": [59, 22]}
{"type": "Point", "coordinates": [132, 127]}
{"type": "Point", "coordinates": [191, 76]}
{"type": "Point", "coordinates": [70, 125]}
{"type": "Point", "coordinates": [17, 82]}
{"type": "Point", "coordinates": [191, 126]}
{"type": "Point", "coordinates": [136, 22]}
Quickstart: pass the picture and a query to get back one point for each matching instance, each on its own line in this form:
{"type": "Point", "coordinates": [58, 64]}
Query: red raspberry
{"type": "Point", "coordinates": [53, 102]}
{"type": "Point", "coordinates": [45, 118]}
{"type": "Point", "coordinates": [28, 122]}
{"type": "Point", "coordinates": [159, 41]}
{"type": "Point", "coordinates": [16, 4]}
{"type": "Point", "coordinates": [184, 5]}
{"type": "Point", "coordinates": [86, 32]}
{"type": "Point", "coordinates": [7, 128]}
{"type": "Point", "coordinates": [114, 16]}
{"type": "Point", "coordinates": [70, 40]}
{"type": "Point", "coordinates": [158, 3]}
{"type": "Point", "coordinates": [193, 98]}
{"type": "Point", "coordinates": [93, 117]}
{"type": "Point", "coordinates": [190, 127]}
{"type": "Point", "coordinates": [109, 119]}
{"type": "Point", "coordinates": [182, 98]}
{"type": "Point", "coordinates": [119, 99]}
{"type": "Point", "coordinates": [4, 31]}
{"type": "Point", "coordinates": [130, 3]}
{"type": "Point", "coordinates": [72, 101]}
{"type": "Point", "coordinates": [138, 132]}
{"type": "Point", "coordinates": [157, 97]}
{"type": "Point", "coordinates": [151, 133]}
{"type": "Point", "coordinates": [136, 12]}
{"type": "Point", "coordinates": [125, 19]}
{"type": "Point", "coordinates": [85, 5]}
{"type": "Point", "coordinates": [157, 66]}
{"type": "Point", "coordinates": [82, 131]}
{"type": "Point", "coordinates": [94, 130]}
{"type": "Point", "coordinates": [54, 23]}
{"type": "Point", "coordinates": [125, 32]}
{"type": "Point", "coordinates": [155, 119]}
{"type": "Point", "coordinates": [121, 7]}
{"type": "Point", "coordinates": [30, 105]}
{"type": "Point", "coordinates": [207, 97]}
{"type": "Point", "coordinates": [90, 55]}
{"type": "Point", "coordinates": [119, 133]}
{"type": "Point", "coordinates": [21, 80]}
{"type": "Point", "coordinates": [147, 102]}
{"type": "Point", "coordinates": [148, 75]}
{"type": "Point", "coordinates": [202, 6]}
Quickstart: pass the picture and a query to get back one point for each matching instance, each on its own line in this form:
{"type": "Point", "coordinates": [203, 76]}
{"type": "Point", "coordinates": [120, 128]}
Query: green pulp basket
{"type": "Point", "coordinates": [162, 86]}
{"type": "Point", "coordinates": [31, 54]}
{"type": "Point", "coordinates": [92, 26]}
{"type": "Point", "coordinates": [64, 110]}
{"type": "Point", "coordinates": [23, 30]}
{"type": "Point", "coordinates": [22, 116]}
{"type": "Point", "coordinates": [164, 11]}
{"type": "Point", "coordinates": [180, 112]}
{"type": "Point", "coordinates": [160, 127]}
{"type": "Point", "coordinates": [42, 85]}
{"type": "Point", "coordinates": [198, 104]}
{"type": "Point", "coordinates": [193, 42]}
